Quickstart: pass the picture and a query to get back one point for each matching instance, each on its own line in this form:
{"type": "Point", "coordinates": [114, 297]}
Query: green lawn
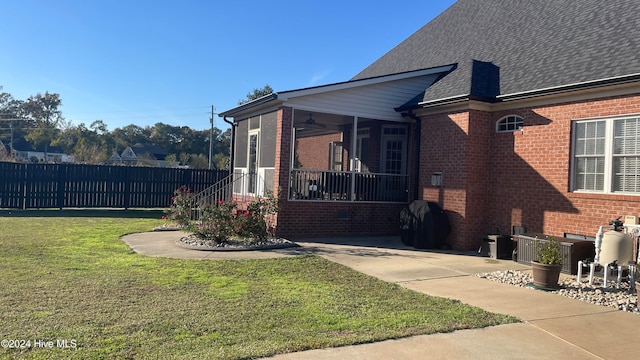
{"type": "Point", "coordinates": [71, 278]}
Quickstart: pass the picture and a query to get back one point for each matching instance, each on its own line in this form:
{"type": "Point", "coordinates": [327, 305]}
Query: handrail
{"type": "Point", "coordinates": [224, 190]}
{"type": "Point", "coordinates": [347, 186]}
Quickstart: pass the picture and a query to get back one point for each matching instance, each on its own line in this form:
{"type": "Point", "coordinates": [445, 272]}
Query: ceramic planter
{"type": "Point", "coordinates": [545, 276]}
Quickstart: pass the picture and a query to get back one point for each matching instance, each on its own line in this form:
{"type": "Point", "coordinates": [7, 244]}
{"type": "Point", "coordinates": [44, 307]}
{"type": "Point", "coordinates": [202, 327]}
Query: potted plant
{"type": "Point", "coordinates": [546, 269]}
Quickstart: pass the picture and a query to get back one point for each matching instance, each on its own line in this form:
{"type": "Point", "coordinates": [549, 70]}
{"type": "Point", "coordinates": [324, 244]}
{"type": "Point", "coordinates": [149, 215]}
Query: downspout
{"type": "Point", "coordinates": [233, 144]}
{"type": "Point", "coordinates": [417, 151]}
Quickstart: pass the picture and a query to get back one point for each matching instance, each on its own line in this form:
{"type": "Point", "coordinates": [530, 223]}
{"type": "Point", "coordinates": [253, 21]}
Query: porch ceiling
{"type": "Point", "coordinates": [321, 123]}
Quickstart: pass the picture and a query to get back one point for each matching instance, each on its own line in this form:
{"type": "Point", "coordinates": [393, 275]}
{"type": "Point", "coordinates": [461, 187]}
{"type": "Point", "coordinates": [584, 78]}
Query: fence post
{"type": "Point", "coordinates": [61, 180]}
{"type": "Point", "coordinates": [23, 180]}
{"type": "Point", "coordinates": [127, 188]}
{"type": "Point", "coordinates": [27, 185]}
{"type": "Point", "coordinates": [184, 181]}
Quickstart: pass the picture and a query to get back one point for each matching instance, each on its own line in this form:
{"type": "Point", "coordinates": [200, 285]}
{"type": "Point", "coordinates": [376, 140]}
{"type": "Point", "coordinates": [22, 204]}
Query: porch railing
{"type": "Point", "coordinates": [232, 188]}
{"type": "Point", "coordinates": [348, 186]}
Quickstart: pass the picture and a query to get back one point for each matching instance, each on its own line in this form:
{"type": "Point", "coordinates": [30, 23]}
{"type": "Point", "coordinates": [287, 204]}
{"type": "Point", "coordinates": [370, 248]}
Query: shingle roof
{"type": "Point", "coordinates": [152, 149]}
{"type": "Point", "coordinates": [24, 145]}
{"type": "Point", "coordinates": [533, 44]}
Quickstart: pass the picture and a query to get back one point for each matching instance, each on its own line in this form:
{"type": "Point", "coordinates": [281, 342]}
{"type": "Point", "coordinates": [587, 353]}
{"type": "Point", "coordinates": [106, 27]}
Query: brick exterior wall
{"type": "Point", "coordinates": [538, 194]}
{"type": "Point", "coordinates": [283, 152]}
{"type": "Point", "coordinates": [491, 181]}
{"type": "Point", "coordinates": [313, 152]}
{"type": "Point", "coordinates": [311, 219]}
{"type": "Point", "coordinates": [494, 181]}
{"type": "Point", "coordinates": [442, 148]}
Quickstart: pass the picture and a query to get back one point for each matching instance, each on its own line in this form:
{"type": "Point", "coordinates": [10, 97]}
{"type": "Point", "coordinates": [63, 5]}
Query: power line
{"type": "Point", "coordinates": [145, 112]}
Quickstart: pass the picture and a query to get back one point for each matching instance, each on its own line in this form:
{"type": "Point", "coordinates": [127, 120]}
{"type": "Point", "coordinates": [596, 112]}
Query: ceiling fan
{"type": "Point", "coordinates": [312, 122]}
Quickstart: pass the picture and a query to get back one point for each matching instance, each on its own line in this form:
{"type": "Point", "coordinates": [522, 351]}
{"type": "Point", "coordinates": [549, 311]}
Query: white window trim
{"type": "Point", "coordinates": [254, 132]}
{"type": "Point", "coordinates": [519, 121]}
{"type": "Point", "coordinates": [608, 155]}
{"type": "Point", "coordinates": [403, 138]}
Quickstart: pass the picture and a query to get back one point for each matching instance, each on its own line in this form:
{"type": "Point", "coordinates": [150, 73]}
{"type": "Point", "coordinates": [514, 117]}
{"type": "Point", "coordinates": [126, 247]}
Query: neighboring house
{"type": "Point", "coordinates": [27, 152]}
{"type": "Point", "coordinates": [150, 150]}
{"type": "Point", "coordinates": [128, 157]}
{"type": "Point", "coordinates": [506, 113]}
{"type": "Point", "coordinates": [115, 159]}
{"type": "Point", "coordinates": [140, 154]}
{"type": "Point", "coordinates": [5, 151]}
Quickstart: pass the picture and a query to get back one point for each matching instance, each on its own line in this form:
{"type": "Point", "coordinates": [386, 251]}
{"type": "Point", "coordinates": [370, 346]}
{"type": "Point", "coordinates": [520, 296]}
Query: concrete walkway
{"type": "Point", "coordinates": [554, 326]}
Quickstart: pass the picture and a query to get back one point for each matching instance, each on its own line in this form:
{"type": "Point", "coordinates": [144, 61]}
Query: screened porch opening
{"type": "Point", "coordinates": [346, 158]}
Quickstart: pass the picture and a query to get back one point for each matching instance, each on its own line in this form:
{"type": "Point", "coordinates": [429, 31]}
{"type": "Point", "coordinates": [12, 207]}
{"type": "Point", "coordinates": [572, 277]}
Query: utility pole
{"type": "Point", "coordinates": [11, 119]}
{"type": "Point", "coordinates": [211, 139]}
{"type": "Point", "coordinates": [11, 142]}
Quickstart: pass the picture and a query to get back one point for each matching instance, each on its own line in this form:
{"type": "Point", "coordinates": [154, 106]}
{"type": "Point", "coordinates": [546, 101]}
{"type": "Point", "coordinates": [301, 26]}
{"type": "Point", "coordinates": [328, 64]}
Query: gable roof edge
{"type": "Point", "coordinates": [249, 104]}
{"type": "Point", "coordinates": [286, 95]}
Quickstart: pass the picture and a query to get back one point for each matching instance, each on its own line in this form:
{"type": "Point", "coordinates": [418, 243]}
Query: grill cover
{"type": "Point", "coordinates": [424, 225]}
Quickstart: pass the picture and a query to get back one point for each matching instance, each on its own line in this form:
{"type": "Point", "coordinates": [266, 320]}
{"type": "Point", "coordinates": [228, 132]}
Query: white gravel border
{"type": "Point", "coordinates": [622, 298]}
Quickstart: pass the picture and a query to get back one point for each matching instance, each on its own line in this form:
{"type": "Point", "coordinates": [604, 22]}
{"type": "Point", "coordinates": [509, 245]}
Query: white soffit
{"type": "Point", "coordinates": [373, 98]}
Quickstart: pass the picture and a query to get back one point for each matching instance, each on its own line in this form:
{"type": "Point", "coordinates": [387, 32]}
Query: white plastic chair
{"type": "Point", "coordinates": [611, 246]}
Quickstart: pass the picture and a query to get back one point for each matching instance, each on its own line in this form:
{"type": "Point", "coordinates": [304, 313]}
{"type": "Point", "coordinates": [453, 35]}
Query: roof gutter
{"type": "Point", "coordinates": [250, 104]}
{"type": "Point", "coordinates": [618, 80]}
{"type": "Point", "coordinates": [443, 101]}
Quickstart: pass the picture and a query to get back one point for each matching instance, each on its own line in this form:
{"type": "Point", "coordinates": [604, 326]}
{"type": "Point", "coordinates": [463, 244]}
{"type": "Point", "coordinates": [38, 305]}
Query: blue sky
{"type": "Point", "coordinates": [142, 62]}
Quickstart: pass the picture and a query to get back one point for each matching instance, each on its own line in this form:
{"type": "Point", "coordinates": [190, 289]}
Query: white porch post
{"type": "Point", "coordinates": [292, 149]}
{"type": "Point", "coordinates": [353, 159]}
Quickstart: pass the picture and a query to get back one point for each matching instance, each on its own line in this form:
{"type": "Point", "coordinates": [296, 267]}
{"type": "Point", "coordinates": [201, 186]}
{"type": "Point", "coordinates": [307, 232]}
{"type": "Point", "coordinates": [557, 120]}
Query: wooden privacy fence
{"type": "Point", "coordinates": [30, 186]}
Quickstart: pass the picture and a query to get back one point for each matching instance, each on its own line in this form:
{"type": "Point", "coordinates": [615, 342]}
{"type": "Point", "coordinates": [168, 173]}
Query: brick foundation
{"type": "Point", "coordinates": [310, 219]}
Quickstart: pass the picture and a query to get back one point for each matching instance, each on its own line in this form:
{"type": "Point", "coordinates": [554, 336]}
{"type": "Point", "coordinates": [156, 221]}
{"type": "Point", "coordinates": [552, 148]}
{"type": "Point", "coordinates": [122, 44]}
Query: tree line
{"type": "Point", "coordinates": [39, 121]}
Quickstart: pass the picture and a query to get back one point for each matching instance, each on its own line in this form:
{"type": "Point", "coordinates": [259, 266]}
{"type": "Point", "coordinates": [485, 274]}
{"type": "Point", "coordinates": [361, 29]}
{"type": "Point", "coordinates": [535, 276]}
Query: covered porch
{"type": "Point", "coordinates": [340, 157]}
{"type": "Point", "coordinates": [329, 163]}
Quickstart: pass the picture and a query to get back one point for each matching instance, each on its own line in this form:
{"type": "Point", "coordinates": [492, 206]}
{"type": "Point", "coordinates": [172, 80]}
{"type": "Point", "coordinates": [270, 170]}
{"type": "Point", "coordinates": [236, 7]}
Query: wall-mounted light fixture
{"type": "Point", "coordinates": [436, 179]}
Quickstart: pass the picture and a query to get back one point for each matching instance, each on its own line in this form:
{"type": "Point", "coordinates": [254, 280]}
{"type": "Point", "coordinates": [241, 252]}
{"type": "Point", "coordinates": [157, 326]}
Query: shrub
{"type": "Point", "coordinates": [181, 207]}
{"type": "Point", "coordinates": [253, 223]}
{"type": "Point", "coordinates": [216, 222]}
{"type": "Point", "coordinates": [549, 252]}
{"type": "Point", "coordinates": [224, 220]}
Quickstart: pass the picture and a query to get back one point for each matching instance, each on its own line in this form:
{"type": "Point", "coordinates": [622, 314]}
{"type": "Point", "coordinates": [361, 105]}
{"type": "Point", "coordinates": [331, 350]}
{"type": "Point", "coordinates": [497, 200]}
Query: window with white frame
{"type": "Point", "coordinates": [606, 155]}
{"type": "Point", "coordinates": [509, 123]}
{"type": "Point", "coordinates": [394, 149]}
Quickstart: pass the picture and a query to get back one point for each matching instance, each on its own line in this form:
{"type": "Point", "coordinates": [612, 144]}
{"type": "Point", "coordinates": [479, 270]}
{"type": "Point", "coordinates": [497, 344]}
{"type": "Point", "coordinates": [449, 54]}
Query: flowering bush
{"type": "Point", "coordinates": [226, 219]}
{"type": "Point", "coordinates": [216, 222]}
{"type": "Point", "coordinates": [252, 222]}
{"type": "Point", "coordinates": [181, 207]}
